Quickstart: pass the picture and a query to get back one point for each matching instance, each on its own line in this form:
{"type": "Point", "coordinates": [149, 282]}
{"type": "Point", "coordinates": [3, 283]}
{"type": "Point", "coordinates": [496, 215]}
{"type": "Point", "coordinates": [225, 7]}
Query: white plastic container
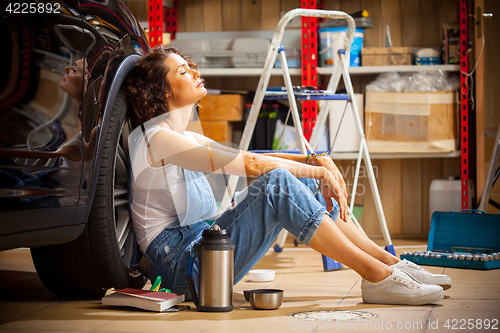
{"type": "Point", "coordinates": [332, 39]}
{"type": "Point", "coordinates": [250, 52]}
{"type": "Point", "coordinates": [348, 137]}
{"type": "Point", "coordinates": [219, 54]}
{"type": "Point", "coordinates": [195, 48]}
{"type": "Point", "coordinates": [444, 196]}
{"type": "Point", "coordinates": [261, 275]}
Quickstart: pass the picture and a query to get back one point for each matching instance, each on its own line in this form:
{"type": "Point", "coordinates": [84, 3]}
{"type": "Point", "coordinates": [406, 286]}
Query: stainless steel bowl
{"type": "Point", "coordinates": [264, 299]}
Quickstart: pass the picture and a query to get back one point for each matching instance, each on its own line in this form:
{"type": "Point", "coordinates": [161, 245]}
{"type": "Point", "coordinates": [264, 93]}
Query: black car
{"type": "Point", "coordinates": [63, 140]}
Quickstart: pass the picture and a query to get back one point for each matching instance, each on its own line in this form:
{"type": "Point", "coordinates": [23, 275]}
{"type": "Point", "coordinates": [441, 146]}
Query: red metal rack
{"type": "Point", "coordinates": [171, 20]}
{"type": "Point", "coordinates": [464, 104]}
{"type": "Point", "coordinates": [155, 15]}
{"type": "Point", "coordinates": [158, 17]}
{"type": "Point", "coordinates": [309, 66]}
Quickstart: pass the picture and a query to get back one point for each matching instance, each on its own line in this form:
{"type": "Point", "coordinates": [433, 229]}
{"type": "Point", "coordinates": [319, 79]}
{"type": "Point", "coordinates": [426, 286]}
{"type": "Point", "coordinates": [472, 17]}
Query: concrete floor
{"type": "Point", "coordinates": [26, 306]}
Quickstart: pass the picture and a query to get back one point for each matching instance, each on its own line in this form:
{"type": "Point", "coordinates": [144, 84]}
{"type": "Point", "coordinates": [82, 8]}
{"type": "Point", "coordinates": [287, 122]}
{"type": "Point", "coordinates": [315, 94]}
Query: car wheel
{"type": "Point", "coordinates": [100, 258]}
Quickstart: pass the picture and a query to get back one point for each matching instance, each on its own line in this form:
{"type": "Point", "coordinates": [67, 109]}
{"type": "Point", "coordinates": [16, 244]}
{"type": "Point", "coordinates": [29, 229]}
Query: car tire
{"type": "Point", "coordinates": [99, 258]}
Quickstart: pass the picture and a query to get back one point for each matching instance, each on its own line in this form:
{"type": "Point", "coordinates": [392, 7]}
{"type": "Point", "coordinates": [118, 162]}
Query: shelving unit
{"type": "Point", "coordinates": [155, 7]}
{"type": "Point", "coordinates": [380, 156]}
{"type": "Point", "coordinates": [361, 70]}
{"type": "Point", "coordinates": [411, 25]}
{"type": "Point", "coordinates": [399, 172]}
{"type": "Point", "coordinates": [327, 70]}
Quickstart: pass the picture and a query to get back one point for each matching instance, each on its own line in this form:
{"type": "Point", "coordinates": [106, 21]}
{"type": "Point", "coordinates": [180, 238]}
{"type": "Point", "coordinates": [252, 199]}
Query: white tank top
{"type": "Point", "coordinates": [158, 193]}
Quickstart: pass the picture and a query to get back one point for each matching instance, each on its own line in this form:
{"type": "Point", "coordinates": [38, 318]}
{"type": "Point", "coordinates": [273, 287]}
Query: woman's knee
{"type": "Point", "coordinates": [279, 172]}
{"type": "Point", "coordinates": [283, 179]}
{"type": "Point", "coordinates": [280, 182]}
{"type": "Point", "coordinates": [282, 175]}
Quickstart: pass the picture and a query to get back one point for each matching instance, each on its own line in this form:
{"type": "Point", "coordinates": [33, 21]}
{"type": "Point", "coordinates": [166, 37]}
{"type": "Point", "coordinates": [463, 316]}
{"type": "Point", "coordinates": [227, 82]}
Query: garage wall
{"type": "Point", "coordinates": [403, 183]}
{"type": "Point", "coordinates": [420, 17]}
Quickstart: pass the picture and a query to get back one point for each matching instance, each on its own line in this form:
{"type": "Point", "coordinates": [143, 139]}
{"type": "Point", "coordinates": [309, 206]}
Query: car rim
{"type": "Point", "coordinates": [123, 223]}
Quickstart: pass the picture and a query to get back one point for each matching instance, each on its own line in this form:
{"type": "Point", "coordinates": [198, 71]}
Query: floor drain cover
{"type": "Point", "coordinates": [329, 315]}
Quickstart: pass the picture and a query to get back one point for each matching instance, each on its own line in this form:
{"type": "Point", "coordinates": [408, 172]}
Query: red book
{"type": "Point", "coordinates": [143, 299]}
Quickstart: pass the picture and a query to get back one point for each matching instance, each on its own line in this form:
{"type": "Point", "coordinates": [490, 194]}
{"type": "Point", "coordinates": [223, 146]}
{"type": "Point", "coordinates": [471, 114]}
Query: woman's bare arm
{"type": "Point", "coordinates": [301, 158]}
{"type": "Point", "coordinates": [324, 161]}
{"type": "Point", "coordinates": [167, 146]}
{"type": "Point", "coordinates": [170, 147]}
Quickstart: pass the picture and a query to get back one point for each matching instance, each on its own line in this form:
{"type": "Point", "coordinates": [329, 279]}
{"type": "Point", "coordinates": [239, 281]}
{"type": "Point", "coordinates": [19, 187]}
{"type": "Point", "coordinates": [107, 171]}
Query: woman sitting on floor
{"type": "Point", "coordinates": [171, 196]}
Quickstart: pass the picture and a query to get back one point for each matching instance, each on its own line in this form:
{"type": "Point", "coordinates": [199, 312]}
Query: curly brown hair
{"type": "Point", "coordinates": [147, 86]}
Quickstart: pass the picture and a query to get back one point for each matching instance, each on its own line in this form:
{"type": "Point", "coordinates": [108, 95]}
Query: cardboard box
{"type": "Point", "coordinates": [217, 130]}
{"type": "Point", "coordinates": [411, 122]}
{"type": "Point", "coordinates": [222, 107]}
{"type": "Point", "coordinates": [386, 56]}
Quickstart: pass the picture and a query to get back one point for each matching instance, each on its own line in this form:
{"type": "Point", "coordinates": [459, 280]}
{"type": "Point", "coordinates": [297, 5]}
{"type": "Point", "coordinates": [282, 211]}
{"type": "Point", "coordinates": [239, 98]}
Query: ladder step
{"type": "Point", "coordinates": [262, 151]}
{"type": "Point", "coordinates": [307, 96]}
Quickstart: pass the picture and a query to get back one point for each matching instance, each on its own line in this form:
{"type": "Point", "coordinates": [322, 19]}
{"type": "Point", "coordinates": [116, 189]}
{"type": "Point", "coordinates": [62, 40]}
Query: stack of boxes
{"type": "Point", "coordinates": [386, 56]}
{"type": "Point", "coordinates": [217, 114]}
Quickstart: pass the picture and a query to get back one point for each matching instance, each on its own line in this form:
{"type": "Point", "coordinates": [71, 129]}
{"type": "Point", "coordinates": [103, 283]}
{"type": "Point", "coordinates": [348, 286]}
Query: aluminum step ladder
{"type": "Point", "coordinates": [338, 71]}
{"type": "Point", "coordinates": [493, 174]}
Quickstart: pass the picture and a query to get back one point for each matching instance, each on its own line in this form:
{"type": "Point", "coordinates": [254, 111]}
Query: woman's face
{"type": "Point", "coordinates": [73, 81]}
{"type": "Point", "coordinates": [186, 86]}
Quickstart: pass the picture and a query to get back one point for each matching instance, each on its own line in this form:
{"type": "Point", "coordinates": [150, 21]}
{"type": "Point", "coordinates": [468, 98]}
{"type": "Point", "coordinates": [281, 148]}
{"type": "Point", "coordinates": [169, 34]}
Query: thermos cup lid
{"type": "Point", "coordinates": [216, 232]}
{"type": "Point", "coordinates": [215, 239]}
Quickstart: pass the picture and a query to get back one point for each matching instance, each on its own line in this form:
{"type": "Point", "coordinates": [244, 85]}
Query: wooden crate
{"type": "Point", "coordinates": [386, 56]}
{"type": "Point", "coordinates": [217, 130]}
{"type": "Point", "coordinates": [222, 107]}
{"type": "Point", "coordinates": [411, 122]}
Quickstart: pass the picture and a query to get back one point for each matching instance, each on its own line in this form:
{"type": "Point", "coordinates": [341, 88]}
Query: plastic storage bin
{"type": "Point", "coordinates": [292, 58]}
{"type": "Point", "coordinates": [444, 196]}
{"type": "Point", "coordinates": [225, 53]}
{"type": "Point", "coordinates": [250, 52]}
{"type": "Point", "coordinates": [195, 48]}
{"type": "Point", "coordinates": [332, 39]}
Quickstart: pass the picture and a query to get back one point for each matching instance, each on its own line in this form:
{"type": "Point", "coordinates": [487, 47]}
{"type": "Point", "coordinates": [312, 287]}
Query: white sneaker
{"type": "Point", "coordinates": [400, 288]}
{"type": "Point", "coordinates": [422, 275]}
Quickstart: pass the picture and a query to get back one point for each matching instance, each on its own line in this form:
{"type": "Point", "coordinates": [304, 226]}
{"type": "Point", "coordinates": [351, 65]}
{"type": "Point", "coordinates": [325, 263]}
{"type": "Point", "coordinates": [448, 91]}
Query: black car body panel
{"type": "Point", "coordinates": [48, 157]}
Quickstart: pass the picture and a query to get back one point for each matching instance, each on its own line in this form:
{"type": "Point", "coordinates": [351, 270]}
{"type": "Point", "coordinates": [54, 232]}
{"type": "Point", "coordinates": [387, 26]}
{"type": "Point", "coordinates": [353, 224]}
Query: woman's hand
{"type": "Point", "coordinates": [327, 162]}
{"type": "Point", "coordinates": [330, 188]}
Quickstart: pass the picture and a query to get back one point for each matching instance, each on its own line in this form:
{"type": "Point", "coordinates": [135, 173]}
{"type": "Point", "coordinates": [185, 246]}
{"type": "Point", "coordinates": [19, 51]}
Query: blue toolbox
{"type": "Point", "coordinates": [470, 239]}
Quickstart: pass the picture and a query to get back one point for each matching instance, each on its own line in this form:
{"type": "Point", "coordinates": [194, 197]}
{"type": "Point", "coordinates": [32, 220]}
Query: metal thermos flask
{"type": "Point", "coordinates": [216, 277]}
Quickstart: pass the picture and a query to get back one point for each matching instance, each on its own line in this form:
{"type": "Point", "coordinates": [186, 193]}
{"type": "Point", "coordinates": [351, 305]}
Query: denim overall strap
{"type": "Point", "coordinates": [200, 199]}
